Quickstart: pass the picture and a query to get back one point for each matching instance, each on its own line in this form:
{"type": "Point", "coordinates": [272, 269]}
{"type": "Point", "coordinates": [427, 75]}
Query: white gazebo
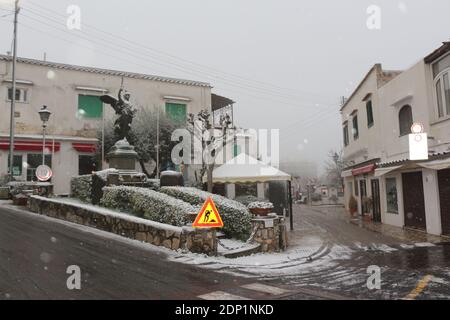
{"type": "Point", "coordinates": [246, 169]}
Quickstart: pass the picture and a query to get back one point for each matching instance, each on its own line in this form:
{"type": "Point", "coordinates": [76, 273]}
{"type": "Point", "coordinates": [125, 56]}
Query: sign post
{"type": "Point", "coordinates": [418, 143]}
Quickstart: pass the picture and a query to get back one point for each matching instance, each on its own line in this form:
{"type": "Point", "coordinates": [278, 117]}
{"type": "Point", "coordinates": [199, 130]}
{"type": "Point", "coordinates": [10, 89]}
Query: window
{"type": "Point", "coordinates": [350, 187]}
{"type": "Point", "coordinates": [441, 70]}
{"type": "Point", "coordinates": [356, 189]}
{"type": "Point", "coordinates": [176, 112]}
{"type": "Point", "coordinates": [405, 120]}
{"type": "Point", "coordinates": [391, 195]}
{"type": "Point", "coordinates": [236, 150]}
{"type": "Point", "coordinates": [34, 161]}
{"type": "Point", "coordinates": [17, 165]}
{"type": "Point", "coordinates": [369, 113]}
{"type": "Point", "coordinates": [90, 106]}
{"type": "Point", "coordinates": [86, 164]}
{"type": "Point", "coordinates": [21, 95]}
{"type": "Point", "coordinates": [355, 128]}
{"type": "Point", "coordinates": [346, 138]}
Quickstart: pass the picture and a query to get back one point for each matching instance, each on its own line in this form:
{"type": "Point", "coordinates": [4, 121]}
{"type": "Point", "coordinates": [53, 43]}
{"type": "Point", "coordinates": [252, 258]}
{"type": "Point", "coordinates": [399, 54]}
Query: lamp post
{"type": "Point", "coordinates": [13, 93]}
{"type": "Point", "coordinates": [44, 113]}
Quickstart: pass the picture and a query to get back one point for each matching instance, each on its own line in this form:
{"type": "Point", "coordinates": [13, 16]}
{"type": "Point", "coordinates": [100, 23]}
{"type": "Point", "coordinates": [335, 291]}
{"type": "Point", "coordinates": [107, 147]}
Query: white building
{"type": "Point", "coordinates": [72, 94]}
{"type": "Point", "coordinates": [377, 121]}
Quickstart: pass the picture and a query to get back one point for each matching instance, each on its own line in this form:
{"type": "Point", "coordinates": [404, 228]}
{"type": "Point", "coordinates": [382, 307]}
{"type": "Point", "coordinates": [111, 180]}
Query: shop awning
{"type": "Point", "coordinates": [246, 169]}
{"type": "Point", "coordinates": [363, 170]}
{"type": "Point", "coordinates": [85, 147]}
{"type": "Point", "coordinates": [437, 164]}
{"type": "Point", "coordinates": [22, 145]}
{"type": "Point", "coordinates": [382, 171]}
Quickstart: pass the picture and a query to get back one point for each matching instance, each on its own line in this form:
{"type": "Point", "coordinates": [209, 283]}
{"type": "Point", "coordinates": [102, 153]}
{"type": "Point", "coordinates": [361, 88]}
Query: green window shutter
{"type": "Point", "coordinates": [236, 150]}
{"type": "Point", "coordinates": [90, 106]}
{"type": "Point", "coordinates": [176, 112]}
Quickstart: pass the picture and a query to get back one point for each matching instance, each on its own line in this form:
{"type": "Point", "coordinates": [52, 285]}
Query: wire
{"type": "Point", "coordinates": [133, 54]}
{"type": "Point", "coordinates": [163, 53]}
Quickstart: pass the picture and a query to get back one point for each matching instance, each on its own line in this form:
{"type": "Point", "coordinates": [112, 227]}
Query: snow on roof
{"type": "Point", "coordinates": [244, 168]}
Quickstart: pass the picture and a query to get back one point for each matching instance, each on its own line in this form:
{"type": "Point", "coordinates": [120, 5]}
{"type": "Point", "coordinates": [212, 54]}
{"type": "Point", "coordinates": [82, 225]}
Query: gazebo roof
{"type": "Point", "coordinates": [246, 169]}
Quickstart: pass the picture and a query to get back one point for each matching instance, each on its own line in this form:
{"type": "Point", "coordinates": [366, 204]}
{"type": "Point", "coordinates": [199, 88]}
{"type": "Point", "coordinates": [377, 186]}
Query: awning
{"type": "Point", "coordinates": [437, 164]}
{"type": "Point", "coordinates": [346, 174]}
{"type": "Point", "coordinates": [363, 170]}
{"type": "Point", "coordinates": [246, 169]}
{"type": "Point", "coordinates": [22, 145]}
{"type": "Point", "coordinates": [85, 147]}
{"type": "Point", "coordinates": [382, 171]}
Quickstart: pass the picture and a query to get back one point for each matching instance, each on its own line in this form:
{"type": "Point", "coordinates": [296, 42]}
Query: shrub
{"type": "Point", "coordinates": [81, 187]}
{"type": "Point", "coordinates": [246, 200]}
{"type": "Point", "coordinates": [235, 216]}
{"type": "Point", "coordinates": [148, 204]}
{"type": "Point", "coordinates": [352, 205]}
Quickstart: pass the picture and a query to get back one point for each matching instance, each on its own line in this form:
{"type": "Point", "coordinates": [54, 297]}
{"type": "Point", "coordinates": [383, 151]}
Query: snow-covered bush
{"type": "Point", "coordinates": [260, 205]}
{"type": "Point", "coordinates": [246, 200]}
{"type": "Point", "coordinates": [81, 187]}
{"type": "Point", "coordinates": [148, 204]}
{"type": "Point", "coordinates": [235, 216]}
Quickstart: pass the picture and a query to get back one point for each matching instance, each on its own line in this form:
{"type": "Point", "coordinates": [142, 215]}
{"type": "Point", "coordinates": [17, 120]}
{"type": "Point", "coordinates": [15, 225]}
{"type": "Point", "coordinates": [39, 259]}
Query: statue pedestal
{"type": "Point", "coordinates": [122, 156]}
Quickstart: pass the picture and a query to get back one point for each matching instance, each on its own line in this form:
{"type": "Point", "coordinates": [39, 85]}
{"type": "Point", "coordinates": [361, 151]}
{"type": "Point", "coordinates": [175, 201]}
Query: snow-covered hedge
{"type": "Point", "coordinates": [260, 205]}
{"type": "Point", "coordinates": [81, 187]}
{"type": "Point", "coordinates": [147, 204]}
{"type": "Point", "coordinates": [235, 216]}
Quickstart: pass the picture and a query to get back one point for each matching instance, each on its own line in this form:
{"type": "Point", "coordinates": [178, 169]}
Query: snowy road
{"type": "Point", "coordinates": [35, 252]}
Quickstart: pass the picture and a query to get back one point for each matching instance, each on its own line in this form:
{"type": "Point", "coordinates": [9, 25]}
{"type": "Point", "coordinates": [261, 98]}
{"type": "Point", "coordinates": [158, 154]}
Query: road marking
{"type": "Point", "coordinates": [220, 295]}
{"type": "Point", "coordinates": [265, 288]}
{"type": "Point", "coordinates": [424, 244]}
{"type": "Point", "coordinates": [420, 287]}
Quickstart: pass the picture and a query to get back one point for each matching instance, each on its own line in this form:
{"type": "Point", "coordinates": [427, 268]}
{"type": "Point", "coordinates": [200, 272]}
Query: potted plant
{"type": "Point", "coordinates": [260, 208]}
{"type": "Point", "coordinates": [353, 205]}
{"type": "Point", "coordinates": [367, 206]}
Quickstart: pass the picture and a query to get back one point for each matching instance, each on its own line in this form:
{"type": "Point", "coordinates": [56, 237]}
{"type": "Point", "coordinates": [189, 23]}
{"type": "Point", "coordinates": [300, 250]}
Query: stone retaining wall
{"type": "Point", "coordinates": [159, 234]}
{"type": "Point", "coordinates": [271, 233]}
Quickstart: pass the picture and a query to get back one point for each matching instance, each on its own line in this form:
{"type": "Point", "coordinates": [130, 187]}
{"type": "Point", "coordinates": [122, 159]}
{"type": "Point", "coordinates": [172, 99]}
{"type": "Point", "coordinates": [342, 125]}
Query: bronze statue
{"type": "Point", "coordinates": [125, 110]}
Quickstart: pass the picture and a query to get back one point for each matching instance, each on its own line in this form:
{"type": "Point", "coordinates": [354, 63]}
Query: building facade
{"type": "Point", "coordinates": [72, 93]}
{"type": "Point", "coordinates": [377, 122]}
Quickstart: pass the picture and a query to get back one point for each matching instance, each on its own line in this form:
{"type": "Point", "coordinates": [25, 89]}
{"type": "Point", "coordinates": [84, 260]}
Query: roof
{"type": "Point", "coordinates": [439, 52]}
{"type": "Point", "coordinates": [383, 77]}
{"type": "Point", "coordinates": [142, 76]}
{"type": "Point", "coordinates": [246, 169]}
{"type": "Point", "coordinates": [219, 102]}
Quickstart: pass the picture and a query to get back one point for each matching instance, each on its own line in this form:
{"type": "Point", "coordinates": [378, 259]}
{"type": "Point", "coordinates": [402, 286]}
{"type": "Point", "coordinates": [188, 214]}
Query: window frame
{"type": "Point", "coordinates": [346, 134]}
{"type": "Point", "coordinates": [370, 120]}
{"type": "Point", "coordinates": [355, 131]}
{"type": "Point", "coordinates": [24, 94]}
{"type": "Point", "coordinates": [441, 104]}
{"type": "Point", "coordinates": [396, 195]}
{"type": "Point", "coordinates": [402, 133]}
{"type": "Point", "coordinates": [89, 117]}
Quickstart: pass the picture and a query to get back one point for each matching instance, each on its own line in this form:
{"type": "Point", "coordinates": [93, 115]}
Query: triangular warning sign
{"type": "Point", "coordinates": [208, 217]}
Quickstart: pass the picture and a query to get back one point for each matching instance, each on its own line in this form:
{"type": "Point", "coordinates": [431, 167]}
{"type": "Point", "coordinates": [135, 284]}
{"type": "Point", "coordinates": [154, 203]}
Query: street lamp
{"type": "Point", "coordinates": [44, 113]}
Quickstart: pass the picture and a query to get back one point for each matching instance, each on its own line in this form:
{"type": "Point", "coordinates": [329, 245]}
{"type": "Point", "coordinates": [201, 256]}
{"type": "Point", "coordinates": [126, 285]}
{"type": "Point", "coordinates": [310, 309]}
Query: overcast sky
{"type": "Point", "coordinates": [285, 62]}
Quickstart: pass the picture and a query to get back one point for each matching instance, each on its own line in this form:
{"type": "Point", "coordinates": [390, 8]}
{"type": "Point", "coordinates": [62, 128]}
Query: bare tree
{"type": "Point", "coordinates": [201, 128]}
{"type": "Point", "coordinates": [334, 167]}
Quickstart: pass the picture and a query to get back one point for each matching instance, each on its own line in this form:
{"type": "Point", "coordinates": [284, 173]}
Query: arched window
{"type": "Point", "coordinates": [405, 120]}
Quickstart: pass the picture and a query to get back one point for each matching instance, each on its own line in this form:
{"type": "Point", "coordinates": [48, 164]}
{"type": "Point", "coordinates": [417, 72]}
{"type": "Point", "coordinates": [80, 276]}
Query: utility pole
{"type": "Point", "coordinates": [13, 93]}
{"type": "Point", "coordinates": [157, 142]}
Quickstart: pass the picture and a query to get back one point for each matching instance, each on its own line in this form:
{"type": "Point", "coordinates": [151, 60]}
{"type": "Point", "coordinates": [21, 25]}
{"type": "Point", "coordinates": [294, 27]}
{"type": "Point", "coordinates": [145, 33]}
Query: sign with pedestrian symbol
{"type": "Point", "coordinates": [208, 217]}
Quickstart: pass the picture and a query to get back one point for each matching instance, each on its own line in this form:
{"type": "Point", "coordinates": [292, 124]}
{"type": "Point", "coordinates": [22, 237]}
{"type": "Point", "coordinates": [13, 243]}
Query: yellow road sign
{"type": "Point", "coordinates": [208, 217]}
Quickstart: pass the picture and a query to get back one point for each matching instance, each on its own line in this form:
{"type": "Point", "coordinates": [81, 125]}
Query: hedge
{"type": "Point", "coordinates": [235, 216]}
{"type": "Point", "coordinates": [81, 187]}
{"type": "Point", "coordinates": [148, 204]}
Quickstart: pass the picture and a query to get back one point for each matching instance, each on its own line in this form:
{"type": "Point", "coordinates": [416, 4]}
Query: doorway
{"type": "Point", "coordinates": [413, 200]}
{"type": "Point", "coordinates": [362, 196]}
{"type": "Point", "coordinates": [376, 207]}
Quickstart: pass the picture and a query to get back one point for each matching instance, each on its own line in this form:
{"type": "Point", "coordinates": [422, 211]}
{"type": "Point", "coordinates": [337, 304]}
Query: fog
{"type": "Point", "coordinates": [285, 63]}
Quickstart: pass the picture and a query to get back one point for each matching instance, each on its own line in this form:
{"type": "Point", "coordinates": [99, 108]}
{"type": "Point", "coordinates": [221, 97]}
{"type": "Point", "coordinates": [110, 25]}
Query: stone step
{"type": "Point", "coordinates": [242, 252]}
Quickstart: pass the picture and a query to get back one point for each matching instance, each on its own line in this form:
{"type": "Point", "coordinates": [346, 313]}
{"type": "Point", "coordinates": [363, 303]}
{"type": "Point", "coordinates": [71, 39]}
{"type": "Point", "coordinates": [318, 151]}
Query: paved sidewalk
{"type": "Point", "coordinates": [402, 234]}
